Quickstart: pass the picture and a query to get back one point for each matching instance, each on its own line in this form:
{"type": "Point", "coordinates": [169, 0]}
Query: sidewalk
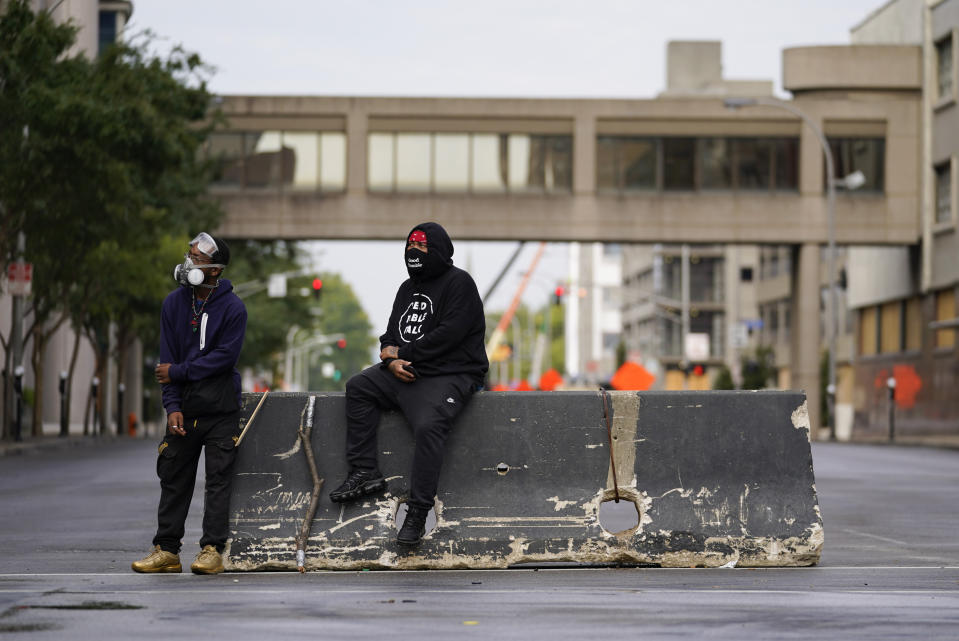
{"type": "Point", "coordinates": [38, 445]}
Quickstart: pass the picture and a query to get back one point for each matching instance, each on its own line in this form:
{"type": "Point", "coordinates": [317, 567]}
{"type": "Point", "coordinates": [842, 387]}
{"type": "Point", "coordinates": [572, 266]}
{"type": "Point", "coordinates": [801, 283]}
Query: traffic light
{"type": "Point", "coordinates": [341, 344]}
{"type": "Point", "coordinates": [317, 288]}
{"type": "Point", "coordinates": [698, 369]}
{"type": "Point", "coordinates": [558, 295]}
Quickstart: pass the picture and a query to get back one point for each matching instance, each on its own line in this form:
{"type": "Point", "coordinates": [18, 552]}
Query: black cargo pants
{"type": "Point", "coordinates": [430, 405]}
{"type": "Point", "coordinates": [177, 464]}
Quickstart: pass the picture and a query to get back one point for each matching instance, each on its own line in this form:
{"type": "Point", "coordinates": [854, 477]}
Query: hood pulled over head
{"type": "Point", "coordinates": [438, 257]}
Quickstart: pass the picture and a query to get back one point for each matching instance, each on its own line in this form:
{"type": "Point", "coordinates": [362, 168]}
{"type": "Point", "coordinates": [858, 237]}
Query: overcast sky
{"type": "Point", "coordinates": [521, 48]}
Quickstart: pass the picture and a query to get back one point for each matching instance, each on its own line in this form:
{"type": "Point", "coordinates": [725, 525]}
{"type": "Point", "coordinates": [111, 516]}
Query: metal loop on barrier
{"type": "Point", "coordinates": [609, 434]}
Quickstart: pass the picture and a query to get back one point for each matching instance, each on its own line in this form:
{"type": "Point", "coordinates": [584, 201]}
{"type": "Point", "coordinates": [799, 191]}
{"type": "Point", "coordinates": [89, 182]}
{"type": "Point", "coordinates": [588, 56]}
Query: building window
{"type": "Point", "coordinates": [867, 155]}
{"type": "Point", "coordinates": [746, 274]}
{"type": "Point", "coordinates": [868, 320]}
{"type": "Point", "coordinates": [943, 193]}
{"type": "Point", "coordinates": [107, 33]}
{"type": "Point", "coordinates": [715, 161]}
{"type": "Point", "coordinates": [946, 310]}
{"type": "Point", "coordinates": [298, 160]}
{"type": "Point", "coordinates": [463, 162]}
{"type": "Point", "coordinates": [786, 163]}
{"type": "Point", "coordinates": [626, 163]}
{"type": "Point", "coordinates": [679, 158]}
{"type": "Point", "coordinates": [944, 68]}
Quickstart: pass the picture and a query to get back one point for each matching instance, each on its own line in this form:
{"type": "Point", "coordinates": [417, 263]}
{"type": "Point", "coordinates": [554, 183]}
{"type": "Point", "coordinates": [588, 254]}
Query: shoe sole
{"type": "Point", "coordinates": [370, 487]}
{"type": "Point", "coordinates": [199, 571]}
{"type": "Point", "coordinates": [408, 541]}
{"type": "Point", "coordinates": [171, 569]}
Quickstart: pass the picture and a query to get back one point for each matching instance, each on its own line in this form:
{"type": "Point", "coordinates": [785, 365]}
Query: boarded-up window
{"type": "Point", "coordinates": [890, 328]}
{"type": "Point", "coordinates": [945, 310]}
{"type": "Point", "coordinates": [867, 331]}
{"type": "Point", "coordinates": [913, 324]}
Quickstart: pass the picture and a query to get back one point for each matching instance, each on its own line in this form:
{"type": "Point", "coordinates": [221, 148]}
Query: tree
{"type": "Point", "coordinates": [342, 316]}
{"type": "Point", "coordinates": [758, 368]}
{"type": "Point", "coordinates": [100, 170]}
{"type": "Point", "coordinates": [526, 319]}
{"type": "Point", "coordinates": [268, 319]}
{"type": "Point", "coordinates": [724, 379]}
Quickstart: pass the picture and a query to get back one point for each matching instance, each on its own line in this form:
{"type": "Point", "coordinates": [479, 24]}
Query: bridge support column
{"type": "Point", "coordinates": [805, 339]}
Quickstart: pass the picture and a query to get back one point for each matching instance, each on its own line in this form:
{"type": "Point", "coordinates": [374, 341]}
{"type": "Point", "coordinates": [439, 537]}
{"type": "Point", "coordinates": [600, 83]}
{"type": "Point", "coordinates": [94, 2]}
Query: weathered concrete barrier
{"type": "Point", "coordinates": [716, 478]}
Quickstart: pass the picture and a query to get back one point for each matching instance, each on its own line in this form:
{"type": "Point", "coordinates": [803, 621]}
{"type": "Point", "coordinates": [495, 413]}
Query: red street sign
{"type": "Point", "coordinates": [19, 275]}
{"type": "Point", "coordinates": [19, 272]}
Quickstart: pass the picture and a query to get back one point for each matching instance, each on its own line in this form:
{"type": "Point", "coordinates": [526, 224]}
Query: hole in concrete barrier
{"type": "Point", "coordinates": [401, 516]}
{"type": "Point", "coordinates": [618, 517]}
{"type": "Point", "coordinates": [502, 469]}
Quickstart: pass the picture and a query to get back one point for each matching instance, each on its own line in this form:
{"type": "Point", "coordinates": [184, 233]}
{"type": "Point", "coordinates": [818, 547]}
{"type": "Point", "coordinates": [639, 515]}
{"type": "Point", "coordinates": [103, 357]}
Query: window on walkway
{"type": "Point", "coordinates": [465, 162]}
{"type": "Point", "coordinates": [634, 163]}
{"type": "Point", "coordinates": [298, 160]}
{"type": "Point", "coordinates": [867, 155]}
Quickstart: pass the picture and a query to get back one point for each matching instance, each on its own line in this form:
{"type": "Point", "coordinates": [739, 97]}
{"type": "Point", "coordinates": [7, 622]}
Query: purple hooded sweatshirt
{"type": "Point", "coordinates": [212, 350]}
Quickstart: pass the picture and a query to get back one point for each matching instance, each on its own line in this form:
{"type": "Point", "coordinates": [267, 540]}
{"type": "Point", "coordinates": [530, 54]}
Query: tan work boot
{"type": "Point", "coordinates": [208, 561]}
{"type": "Point", "coordinates": [158, 561]}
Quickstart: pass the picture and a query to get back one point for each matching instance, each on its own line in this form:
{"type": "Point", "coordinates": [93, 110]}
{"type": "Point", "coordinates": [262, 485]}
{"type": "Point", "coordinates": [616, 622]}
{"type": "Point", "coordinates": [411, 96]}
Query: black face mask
{"type": "Point", "coordinates": [424, 266]}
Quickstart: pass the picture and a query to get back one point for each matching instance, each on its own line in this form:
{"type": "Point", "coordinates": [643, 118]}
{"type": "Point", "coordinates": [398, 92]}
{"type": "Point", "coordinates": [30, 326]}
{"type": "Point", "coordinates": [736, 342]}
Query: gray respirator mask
{"type": "Point", "coordinates": [189, 274]}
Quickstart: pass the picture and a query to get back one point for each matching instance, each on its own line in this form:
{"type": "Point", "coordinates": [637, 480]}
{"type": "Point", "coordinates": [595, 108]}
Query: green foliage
{"type": "Point", "coordinates": [99, 169]}
{"type": "Point", "coordinates": [548, 320]}
{"type": "Point", "coordinates": [724, 379]}
{"type": "Point", "coordinates": [268, 319]}
{"type": "Point", "coordinates": [758, 368]}
{"type": "Point", "coordinates": [341, 315]}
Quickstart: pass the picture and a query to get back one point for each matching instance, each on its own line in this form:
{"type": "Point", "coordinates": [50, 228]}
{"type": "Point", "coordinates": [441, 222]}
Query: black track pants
{"type": "Point", "coordinates": [177, 466]}
{"type": "Point", "coordinates": [430, 404]}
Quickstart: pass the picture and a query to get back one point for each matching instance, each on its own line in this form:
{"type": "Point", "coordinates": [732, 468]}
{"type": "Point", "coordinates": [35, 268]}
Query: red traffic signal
{"type": "Point", "coordinates": [317, 287]}
{"type": "Point", "coordinates": [698, 370]}
{"type": "Point", "coordinates": [558, 294]}
{"type": "Point", "coordinates": [341, 343]}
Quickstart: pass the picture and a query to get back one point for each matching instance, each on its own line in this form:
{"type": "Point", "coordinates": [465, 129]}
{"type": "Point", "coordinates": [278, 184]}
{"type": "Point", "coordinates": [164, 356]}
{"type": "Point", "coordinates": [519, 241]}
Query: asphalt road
{"type": "Point", "coordinates": [72, 520]}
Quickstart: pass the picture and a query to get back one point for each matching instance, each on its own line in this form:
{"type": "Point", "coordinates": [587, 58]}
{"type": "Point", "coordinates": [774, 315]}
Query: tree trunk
{"type": "Point", "coordinates": [68, 387]}
{"type": "Point", "coordinates": [36, 358]}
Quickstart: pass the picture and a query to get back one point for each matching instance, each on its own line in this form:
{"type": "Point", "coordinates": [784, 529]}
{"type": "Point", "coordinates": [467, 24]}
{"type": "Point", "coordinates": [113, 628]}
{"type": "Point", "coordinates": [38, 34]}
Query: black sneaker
{"type": "Point", "coordinates": [358, 484]}
{"type": "Point", "coordinates": [414, 527]}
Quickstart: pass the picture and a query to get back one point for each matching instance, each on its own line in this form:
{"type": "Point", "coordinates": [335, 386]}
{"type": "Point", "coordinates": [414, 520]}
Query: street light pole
{"type": "Point", "coordinates": [833, 325]}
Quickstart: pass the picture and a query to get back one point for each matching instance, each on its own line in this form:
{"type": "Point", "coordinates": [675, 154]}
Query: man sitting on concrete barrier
{"type": "Point", "coordinates": [201, 333]}
{"type": "Point", "coordinates": [433, 358]}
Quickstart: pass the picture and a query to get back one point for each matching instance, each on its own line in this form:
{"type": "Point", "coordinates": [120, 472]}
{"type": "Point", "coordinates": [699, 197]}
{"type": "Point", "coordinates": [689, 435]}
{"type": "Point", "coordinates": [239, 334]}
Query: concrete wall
{"type": "Point", "coordinates": [714, 478]}
{"type": "Point", "coordinates": [896, 21]}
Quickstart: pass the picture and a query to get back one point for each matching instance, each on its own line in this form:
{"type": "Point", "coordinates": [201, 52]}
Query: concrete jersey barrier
{"type": "Point", "coordinates": [717, 478]}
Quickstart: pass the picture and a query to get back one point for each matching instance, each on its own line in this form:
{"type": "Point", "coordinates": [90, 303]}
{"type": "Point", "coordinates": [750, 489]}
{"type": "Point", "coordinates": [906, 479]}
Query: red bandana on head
{"type": "Point", "coordinates": [417, 236]}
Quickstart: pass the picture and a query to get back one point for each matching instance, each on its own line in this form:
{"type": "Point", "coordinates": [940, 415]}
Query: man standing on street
{"type": "Point", "coordinates": [201, 333]}
{"type": "Point", "coordinates": [433, 357]}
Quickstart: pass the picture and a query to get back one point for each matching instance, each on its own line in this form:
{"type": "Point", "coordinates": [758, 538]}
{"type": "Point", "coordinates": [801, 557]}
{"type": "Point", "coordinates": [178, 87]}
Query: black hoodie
{"type": "Point", "coordinates": [437, 320]}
